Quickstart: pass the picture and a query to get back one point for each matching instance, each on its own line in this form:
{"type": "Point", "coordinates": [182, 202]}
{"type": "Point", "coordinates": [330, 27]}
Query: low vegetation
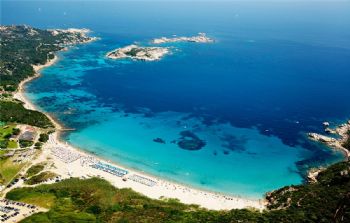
{"type": "Point", "coordinates": [38, 145]}
{"type": "Point", "coordinates": [43, 137]}
{"type": "Point", "coordinates": [25, 143]}
{"type": "Point", "coordinates": [95, 200]}
{"type": "Point", "coordinates": [35, 169]}
{"type": "Point", "coordinates": [327, 200]}
{"type": "Point", "coordinates": [22, 46]}
{"type": "Point", "coordinates": [8, 168]}
{"type": "Point", "coordinates": [6, 131]}
{"type": "Point", "coordinates": [15, 113]}
{"type": "Point", "coordinates": [41, 177]}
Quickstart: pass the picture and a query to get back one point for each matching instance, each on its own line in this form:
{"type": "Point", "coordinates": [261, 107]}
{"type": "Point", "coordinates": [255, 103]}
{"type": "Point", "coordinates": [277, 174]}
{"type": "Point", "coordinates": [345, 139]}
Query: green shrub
{"type": "Point", "coordinates": [16, 113]}
{"type": "Point", "coordinates": [16, 131]}
{"type": "Point", "coordinates": [35, 169]}
{"type": "Point", "coordinates": [43, 137]}
{"type": "Point", "coordinates": [41, 177]}
{"type": "Point", "coordinates": [25, 143]}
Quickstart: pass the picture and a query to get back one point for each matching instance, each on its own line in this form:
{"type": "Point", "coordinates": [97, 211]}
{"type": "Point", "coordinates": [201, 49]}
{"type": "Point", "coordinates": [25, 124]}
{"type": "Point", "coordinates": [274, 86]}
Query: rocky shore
{"type": "Point", "coordinates": [333, 142]}
{"type": "Point", "coordinates": [73, 36]}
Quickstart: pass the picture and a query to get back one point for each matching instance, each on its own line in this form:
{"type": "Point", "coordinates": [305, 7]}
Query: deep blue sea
{"type": "Point", "coordinates": [276, 71]}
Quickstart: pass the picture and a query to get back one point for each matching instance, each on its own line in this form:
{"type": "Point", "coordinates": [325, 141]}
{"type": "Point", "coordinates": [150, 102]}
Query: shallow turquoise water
{"type": "Point", "coordinates": [255, 170]}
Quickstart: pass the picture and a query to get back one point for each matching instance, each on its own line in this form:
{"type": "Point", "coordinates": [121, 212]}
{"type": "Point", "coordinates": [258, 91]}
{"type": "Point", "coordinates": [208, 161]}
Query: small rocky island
{"type": "Point", "coordinates": [138, 53]}
{"type": "Point", "coordinates": [200, 38]}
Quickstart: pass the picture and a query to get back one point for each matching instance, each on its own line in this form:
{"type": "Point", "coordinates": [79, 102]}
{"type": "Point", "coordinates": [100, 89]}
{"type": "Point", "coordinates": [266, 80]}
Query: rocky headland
{"type": "Point", "coordinates": [341, 142]}
{"type": "Point", "coordinates": [73, 36]}
{"type": "Point", "coordinates": [342, 131]}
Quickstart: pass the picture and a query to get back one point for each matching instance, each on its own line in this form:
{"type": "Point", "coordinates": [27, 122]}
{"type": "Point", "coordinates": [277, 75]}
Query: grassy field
{"type": "Point", "coordinates": [8, 169]}
{"type": "Point", "coordinates": [12, 145]}
{"type": "Point", "coordinates": [35, 169]}
{"type": "Point", "coordinates": [2, 152]}
{"type": "Point", "coordinates": [45, 200]}
{"type": "Point", "coordinates": [6, 130]}
{"type": "Point", "coordinates": [41, 177]}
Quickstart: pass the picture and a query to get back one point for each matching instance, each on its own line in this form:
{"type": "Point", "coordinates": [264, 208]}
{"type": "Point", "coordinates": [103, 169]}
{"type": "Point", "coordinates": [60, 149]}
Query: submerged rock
{"type": "Point", "coordinates": [234, 143]}
{"type": "Point", "coordinates": [159, 140]}
{"type": "Point", "coordinates": [190, 141]}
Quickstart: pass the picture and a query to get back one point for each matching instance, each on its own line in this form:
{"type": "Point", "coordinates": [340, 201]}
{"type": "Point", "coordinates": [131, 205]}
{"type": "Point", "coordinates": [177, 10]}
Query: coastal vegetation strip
{"type": "Point", "coordinates": [14, 112]}
{"type": "Point", "coordinates": [35, 169]}
{"type": "Point", "coordinates": [95, 200]}
{"type": "Point", "coordinates": [41, 177]}
{"type": "Point", "coordinates": [24, 46]}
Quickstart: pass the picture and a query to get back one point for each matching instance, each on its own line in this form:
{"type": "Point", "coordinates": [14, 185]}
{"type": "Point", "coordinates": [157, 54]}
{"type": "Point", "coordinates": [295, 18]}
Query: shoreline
{"type": "Point", "coordinates": [19, 93]}
{"type": "Point", "coordinates": [331, 142]}
{"type": "Point", "coordinates": [163, 189]}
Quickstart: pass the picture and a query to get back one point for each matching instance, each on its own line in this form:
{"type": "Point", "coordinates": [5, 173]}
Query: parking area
{"type": "Point", "coordinates": [13, 211]}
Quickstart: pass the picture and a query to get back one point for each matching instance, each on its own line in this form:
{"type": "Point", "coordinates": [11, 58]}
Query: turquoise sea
{"type": "Point", "coordinates": [275, 72]}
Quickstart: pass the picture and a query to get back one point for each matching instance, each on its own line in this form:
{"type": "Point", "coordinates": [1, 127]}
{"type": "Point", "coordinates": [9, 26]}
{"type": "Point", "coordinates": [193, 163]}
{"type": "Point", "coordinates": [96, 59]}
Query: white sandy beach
{"type": "Point", "coordinates": [162, 189]}
{"type": "Point", "coordinates": [19, 94]}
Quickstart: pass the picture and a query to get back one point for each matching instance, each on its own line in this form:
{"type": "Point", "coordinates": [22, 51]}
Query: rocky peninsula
{"type": "Point", "coordinates": [72, 36]}
{"type": "Point", "coordinates": [200, 38]}
{"type": "Point", "coordinates": [138, 53]}
{"type": "Point", "coordinates": [340, 143]}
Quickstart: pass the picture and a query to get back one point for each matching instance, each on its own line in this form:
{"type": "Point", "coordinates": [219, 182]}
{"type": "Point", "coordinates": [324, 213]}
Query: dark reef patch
{"type": "Point", "coordinates": [190, 141]}
{"type": "Point", "coordinates": [159, 140]}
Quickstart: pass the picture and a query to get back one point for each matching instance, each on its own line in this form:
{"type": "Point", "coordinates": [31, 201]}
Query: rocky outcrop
{"type": "Point", "coordinates": [200, 38]}
{"type": "Point", "coordinates": [138, 53]}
